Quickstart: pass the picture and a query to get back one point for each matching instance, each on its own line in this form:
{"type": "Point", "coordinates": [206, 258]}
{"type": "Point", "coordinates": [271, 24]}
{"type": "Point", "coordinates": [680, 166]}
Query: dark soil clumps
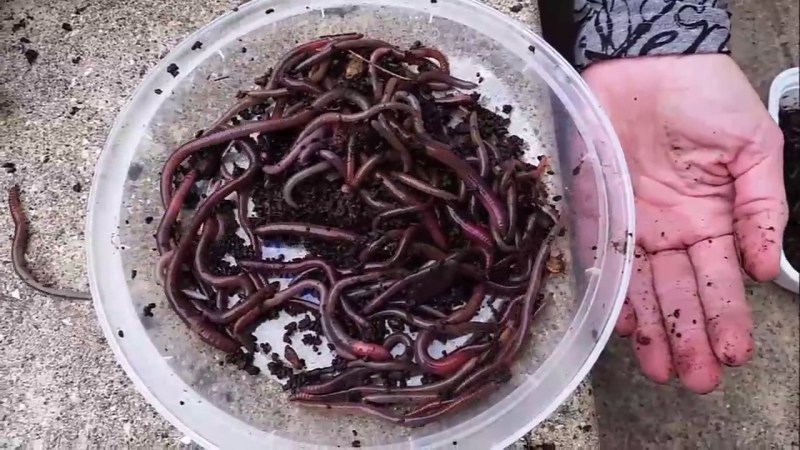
{"type": "Point", "coordinates": [31, 55]}
{"type": "Point", "coordinates": [173, 70]}
{"type": "Point", "coordinates": [147, 311]}
{"type": "Point", "coordinates": [790, 124]}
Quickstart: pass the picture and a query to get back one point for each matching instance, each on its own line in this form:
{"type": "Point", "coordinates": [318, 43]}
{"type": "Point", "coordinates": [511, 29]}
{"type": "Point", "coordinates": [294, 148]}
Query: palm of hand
{"type": "Point", "coordinates": [705, 161]}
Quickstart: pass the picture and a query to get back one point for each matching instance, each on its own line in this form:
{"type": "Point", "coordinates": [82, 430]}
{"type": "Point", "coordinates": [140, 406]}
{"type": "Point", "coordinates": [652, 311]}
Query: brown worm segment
{"type": "Point", "coordinates": [165, 227]}
{"type": "Point", "coordinates": [20, 244]}
{"type": "Point", "coordinates": [186, 311]}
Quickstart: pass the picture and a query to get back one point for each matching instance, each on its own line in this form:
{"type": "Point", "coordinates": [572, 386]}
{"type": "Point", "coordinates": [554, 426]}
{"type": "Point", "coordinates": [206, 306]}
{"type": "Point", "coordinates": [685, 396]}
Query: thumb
{"type": "Point", "coordinates": [760, 209]}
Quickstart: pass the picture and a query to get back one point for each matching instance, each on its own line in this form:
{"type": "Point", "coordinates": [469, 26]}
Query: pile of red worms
{"type": "Point", "coordinates": [435, 201]}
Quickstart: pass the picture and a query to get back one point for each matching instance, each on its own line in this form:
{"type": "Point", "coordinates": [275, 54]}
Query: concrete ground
{"type": "Point", "coordinates": [60, 386]}
{"type": "Point", "coordinates": [758, 405]}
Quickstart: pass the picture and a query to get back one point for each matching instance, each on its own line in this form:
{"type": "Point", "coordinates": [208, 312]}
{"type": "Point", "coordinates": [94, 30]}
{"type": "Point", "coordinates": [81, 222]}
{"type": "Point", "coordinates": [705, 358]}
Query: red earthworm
{"type": "Point", "coordinates": [472, 231]}
{"type": "Point", "coordinates": [378, 244]}
{"type": "Point", "coordinates": [403, 246]}
{"type": "Point", "coordinates": [291, 356]}
{"type": "Point", "coordinates": [346, 347]}
{"type": "Point", "coordinates": [427, 52]}
{"type": "Point", "coordinates": [511, 207]}
{"type": "Point", "coordinates": [265, 94]}
{"type": "Point", "coordinates": [241, 281]}
{"type": "Point", "coordinates": [161, 266]}
{"type": "Point", "coordinates": [393, 340]}
{"type": "Point", "coordinates": [394, 142]}
{"type": "Point", "coordinates": [251, 302]}
{"type": "Point", "coordinates": [421, 186]}
{"type": "Point", "coordinates": [373, 203]}
{"type": "Point", "coordinates": [350, 162]}
{"type": "Point", "coordinates": [391, 397]}
{"type": "Point", "coordinates": [374, 61]}
{"type": "Point", "coordinates": [440, 273]}
{"type": "Point", "coordinates": [525, 273]}
{"type": "Point", "coordinates": [441, 77]}
{"type": "Point", "coordinates": [405, 316]}
{"type": "Point", "coordinates": [282, 65]}
{"type": "Point", "coordinates": [342, 381]}
{"type": "Point", "coordinates": [445, 365]}
{"type": "Point", "coordinates": [427, 218]}
{"type": "Point", "coordinates": [195, 145]}
{"type": "Point", "coordinates": [397, 212]}
{"type": "Point", "coordinates": [306, 230]}
{"type": "Point", "coordinates": [353, 44]}
{"type": "Point", "coordinates": [456, 99]}
{"type": "Point", "coordinates": [475, 134]}
{"type": "Point", "coordinates": [407, 97]}
{"type": "Point", "coordinates": [384, 366]}
{"type": "Point", "coordinates": [328, 119]}
{"type": "Point", "coordinates": [500, 242]}
{"type": "Point", "coordinates": [267, 126]}
{"type": "Point", "coordinates": [164, 232]}
{"type": "Point", "coordinates": [290, 268]}
{"type": "Point", "coordinates": [431, 311]}
{"type": "Point", "coordinates": [311, 148]}
{"type": "Point", "coordinates": [391, 87]}
{"type": "Point", "coordinates": [470, 308]}
{"type": "Point", "coordinates": [279, 109]}
{"type": "Point", "coordinates": [177, 300]}
{"type": "Point", "coordinates": [298, 178]}
{"type": "Point", "coordinates": [320, 72]}
{"type": "Point", "coordinates": [422, 418]}
{"type": "Point", "coordinates": [380, 413]}
{"type": "Point", "coordinates": [20, 244]}
{"type": "Point", "coordinates": [438, 388]}
{"type": "Point", "coordinates": [367, 169]}
{"type": "Point", "coordinates": [251, 98]}
{"type": "Point", "coordinates": [443, 154]}
{"type": "Point", "coordinates": [333, 159]}
{"type": "Point", "coordinates": [369, 290]}
{"type": "Point", "coordinates": [303, 86]}
{"type": "Point", "coordinates": [254, 313]}
{"type": "Point", "coordinates": [528, 303]}
{"type": "Point", "coordinates": [493, 149]}
{"type": "Point", "coordinates": [243, 201]}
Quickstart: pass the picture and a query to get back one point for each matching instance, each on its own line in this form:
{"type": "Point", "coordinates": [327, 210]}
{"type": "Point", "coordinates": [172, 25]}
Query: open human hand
{"type": "Point", "coordinates": [706, 166]}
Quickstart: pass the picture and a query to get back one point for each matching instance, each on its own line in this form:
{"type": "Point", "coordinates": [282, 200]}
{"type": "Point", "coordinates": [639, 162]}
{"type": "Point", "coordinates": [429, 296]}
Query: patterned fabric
{"type": "Point", "coordinates": [625, 28]}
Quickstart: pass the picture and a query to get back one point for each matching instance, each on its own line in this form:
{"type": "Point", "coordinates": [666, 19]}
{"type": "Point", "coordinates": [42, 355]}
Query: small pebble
{"type": "Point", "coordinates": [66, 27]}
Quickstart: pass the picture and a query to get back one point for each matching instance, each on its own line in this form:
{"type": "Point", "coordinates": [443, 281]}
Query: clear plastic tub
{"type": "Point", "coordinates": [784, 94]}
{"type": "Point", "coordinates": [554, 112]}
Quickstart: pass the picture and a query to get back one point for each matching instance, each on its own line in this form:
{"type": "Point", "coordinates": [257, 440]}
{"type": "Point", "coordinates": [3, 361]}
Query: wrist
{"type": "Point", "coordinates": [621, 29]}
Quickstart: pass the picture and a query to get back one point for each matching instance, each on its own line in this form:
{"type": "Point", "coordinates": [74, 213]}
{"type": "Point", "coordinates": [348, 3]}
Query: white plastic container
{"type": "Point", "coordinates": [784, 94]}
{"type": "Point", "coordinates": [221, 407]}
